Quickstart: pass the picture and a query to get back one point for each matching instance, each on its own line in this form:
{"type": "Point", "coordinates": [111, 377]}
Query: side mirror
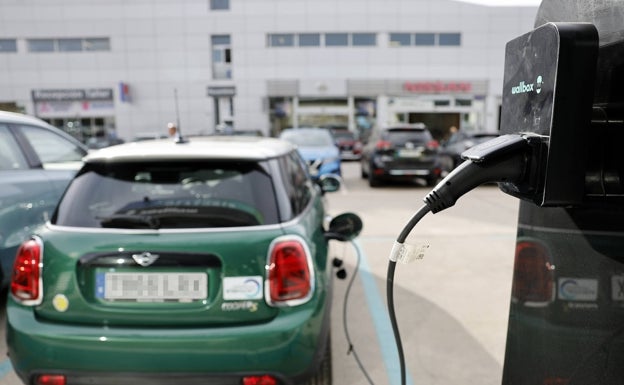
{"type": "Point", "coordinates": [344, 227]}
{"type": "Point", "coordinates": [329, 183]}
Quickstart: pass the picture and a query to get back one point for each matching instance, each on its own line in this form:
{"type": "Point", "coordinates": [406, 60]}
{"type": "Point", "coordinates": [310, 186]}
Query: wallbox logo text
{"type": "Point", "coordinates": [523, 87]}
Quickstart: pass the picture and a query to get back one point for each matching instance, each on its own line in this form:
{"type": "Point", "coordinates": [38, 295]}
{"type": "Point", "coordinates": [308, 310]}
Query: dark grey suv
{"type": "Point", "coordinates": [401, 153]}
{"type": "Point", "coordinates": [37, 161]}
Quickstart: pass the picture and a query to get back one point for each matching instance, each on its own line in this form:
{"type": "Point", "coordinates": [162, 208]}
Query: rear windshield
{"type": "Point", "coordinates": [169, 195]}
{"type": "Point", "coordinates": [401, 136]}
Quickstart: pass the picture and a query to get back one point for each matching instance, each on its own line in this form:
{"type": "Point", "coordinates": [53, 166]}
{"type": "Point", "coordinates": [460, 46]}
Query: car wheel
{"type": "Point", "coordinates": [323, 375]}
{"type": "Point", "coordinates": [373, 181]}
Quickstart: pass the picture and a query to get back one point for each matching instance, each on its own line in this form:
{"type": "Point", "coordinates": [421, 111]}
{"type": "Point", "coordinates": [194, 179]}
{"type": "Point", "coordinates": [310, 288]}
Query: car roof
{"type": "Point", "coordinates": [18, 118]}
{"type": "Point", "coordinates": [15, 117]}
{"type": "Point", "coordinates": [413, 126]}
{"type": "Point", "coordinates": [209, 147]}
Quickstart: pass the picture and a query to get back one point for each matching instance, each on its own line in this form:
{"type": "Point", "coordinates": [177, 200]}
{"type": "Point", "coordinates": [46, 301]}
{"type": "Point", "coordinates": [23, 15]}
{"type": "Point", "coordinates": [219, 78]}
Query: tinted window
{"type": "Point", "coordinates": [219, 4]}
{"type": "Point", "coordinates": [400, 136]}
{"type": "Point", "coordinates": [308, 138]}
{"type": "Point", "coordinates": [309, 39]}
{"type": "Point", "coordinates": [8, 45]}
{"type": "Point", "coordinates": [50, 147]}
{"type": "Point", "coordinates": [424, 39]}
{"type": "Point", "coordinates": [41, 45]}
{"type": "Point", "coordinates": [11, 157]}
{"type": "Point", "coordinates": [450, 39]}
{"type": "Point", "coordinates": [169, 195]}
{"type": "Point", "coordinates": [336, 39]}
{"type": "Point", "coordinates": [364, 39]}
{"type": "Point", "coordinates": [97, 44]}
{"type": "Point", "coordinates": [70, 44]}
{"type": "Point", "coordinates": [281, 40]}
{"type": "Point", "coordinates": [400, 39]}
{"type": "Point", "coordinates": [296, 181]}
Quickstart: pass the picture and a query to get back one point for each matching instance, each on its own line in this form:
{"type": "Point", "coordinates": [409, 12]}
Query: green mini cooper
{"type": "Point", "coordinates": [193, 261]}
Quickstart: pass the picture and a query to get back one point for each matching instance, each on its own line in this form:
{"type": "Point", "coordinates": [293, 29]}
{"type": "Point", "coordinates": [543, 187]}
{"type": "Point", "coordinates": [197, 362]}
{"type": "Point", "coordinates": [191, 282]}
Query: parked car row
{"type": "Point", "coordinates": [408, 152]}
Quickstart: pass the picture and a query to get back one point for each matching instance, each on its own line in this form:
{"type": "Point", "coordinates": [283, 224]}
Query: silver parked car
{"type": "Point", "coordinates": [37, 161]}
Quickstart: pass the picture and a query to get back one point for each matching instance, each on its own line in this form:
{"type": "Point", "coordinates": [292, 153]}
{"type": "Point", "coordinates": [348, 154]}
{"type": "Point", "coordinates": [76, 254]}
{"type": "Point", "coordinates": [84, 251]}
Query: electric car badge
{"type": "Point", "coordinates": [145, 259]}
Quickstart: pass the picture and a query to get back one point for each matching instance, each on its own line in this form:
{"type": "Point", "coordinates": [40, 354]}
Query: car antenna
{"type": "Point", "coordinates": [178, 138]}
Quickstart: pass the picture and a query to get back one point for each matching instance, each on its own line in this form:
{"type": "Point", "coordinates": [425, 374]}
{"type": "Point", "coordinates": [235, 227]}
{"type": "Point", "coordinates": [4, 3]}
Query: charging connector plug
{"type": "Point", "coordinates": [503, 159]}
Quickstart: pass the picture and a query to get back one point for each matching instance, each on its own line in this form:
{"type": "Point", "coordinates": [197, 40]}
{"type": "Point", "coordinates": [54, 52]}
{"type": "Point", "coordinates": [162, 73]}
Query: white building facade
{"type": "Point", "coordinates": [129, 67]}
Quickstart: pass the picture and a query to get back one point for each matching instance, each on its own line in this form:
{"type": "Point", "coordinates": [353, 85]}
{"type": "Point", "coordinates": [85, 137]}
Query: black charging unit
{"type": "Point", "coordinates": [547, 97]}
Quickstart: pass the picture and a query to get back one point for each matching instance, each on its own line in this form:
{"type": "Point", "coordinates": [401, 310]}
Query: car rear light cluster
{"type": "Point", "coordinates": [383, 145]}
{"type": "Point", "coordinates": [433, 144]}
{"type": "Point", "coordinates": [259, 380]}
{"type": "Point", "coordinates": [26, 284]}
{"type": "Point", "coordinates": [533, 280]}
{"type": "Point", "coordinates": [50, 379]}
{"type": "Point", "coordinates": [290, 276]}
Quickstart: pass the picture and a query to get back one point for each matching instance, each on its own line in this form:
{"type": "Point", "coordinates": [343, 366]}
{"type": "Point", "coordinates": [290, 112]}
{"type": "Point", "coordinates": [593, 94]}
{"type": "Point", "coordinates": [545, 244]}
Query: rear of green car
{"type": "Point", "coordinates": [174, 289]}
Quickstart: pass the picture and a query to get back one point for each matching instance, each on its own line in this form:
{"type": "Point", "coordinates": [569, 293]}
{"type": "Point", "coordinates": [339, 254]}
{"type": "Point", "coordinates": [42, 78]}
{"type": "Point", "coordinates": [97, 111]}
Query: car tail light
{"type": "Point", "coordinates": [383, 145]}
{"type": "Point", "coordinates": [26, 277]}
{"type": "Point", "coordinates": [259, 380]}
{"type": "Point", "coordinates": [290, 273]}
{"type": "Point", "coordinates": [433, 144]}
{"type": "Point", "coordinates": [533, 279]}
{"type": "Point", "coordinates": [50, 379]}
{"type": "Point", "coordinates": [556, 381]}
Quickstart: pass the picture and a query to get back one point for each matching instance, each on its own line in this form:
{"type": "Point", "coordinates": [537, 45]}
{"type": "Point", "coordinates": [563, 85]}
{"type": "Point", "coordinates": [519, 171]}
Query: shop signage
{"type": "Point", "coordinates": [437, 87]}
{"type": "Point", "coordinates": [221, 91]}
{"type": "Point", "coordinates": [89, 94]}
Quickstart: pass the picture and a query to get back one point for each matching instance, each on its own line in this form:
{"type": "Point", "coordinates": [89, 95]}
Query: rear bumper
{"type": "Point", "coordinates": [289, 348]}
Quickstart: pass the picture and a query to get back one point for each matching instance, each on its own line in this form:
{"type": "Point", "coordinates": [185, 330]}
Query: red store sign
{"type": "Point", "coordinates": [437, 87]}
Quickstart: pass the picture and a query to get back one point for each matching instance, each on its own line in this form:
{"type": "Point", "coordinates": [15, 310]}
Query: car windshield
{"type": "Point", "coordinates": [309, 138]}
{"type": "Point", "coordinates": [401, 136]}
{"type": "Point", "coordinates": [169, 195]}
{"type": "Point", "coordinates": [343, 135]}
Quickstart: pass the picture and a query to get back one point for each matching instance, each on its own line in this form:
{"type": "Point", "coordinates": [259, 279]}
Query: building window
{"type": "Point", "coordinates": [309, 39]}
{"type": "Point", "coordinates": [221, 57]}
{"type": "Point", "coordinates": [70, 45]}
{"type": "Point", "coordinates": [281, 40]}
{"type": "Point", "coordinates": [424, 39]}
{"type": "Point", "coordinates": [96, 44]}
{"type": "Point", "coordinates": [364, 39]}
{"type": "Point", "coordinates": [219, 5]}
{"type": "Point", "coordinates": [41, 45]}
{"type": "Point", "coordinates": [336, 39]}
{"type": "Point", "coordinates": [449, 39]}
{"type": "Point", "coordinates": [8, 45]}
{"type": "Point", "coordinates": [400, 39]}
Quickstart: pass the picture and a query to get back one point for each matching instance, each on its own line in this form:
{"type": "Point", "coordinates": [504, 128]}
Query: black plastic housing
{"type": "Point", "coordinates": [547, 95]}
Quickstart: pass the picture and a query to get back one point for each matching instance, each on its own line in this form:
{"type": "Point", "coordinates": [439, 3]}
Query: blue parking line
{"type": "Point", "coordinates": [5, 368]}
{"type": "Point", "coordinates": [381, 321]}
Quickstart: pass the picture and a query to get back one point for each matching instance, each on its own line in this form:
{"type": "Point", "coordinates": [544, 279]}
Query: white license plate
{"type": "Point", "coordinates": [180, 287]}
{"type": "Point", "coordinates": [410, 153]}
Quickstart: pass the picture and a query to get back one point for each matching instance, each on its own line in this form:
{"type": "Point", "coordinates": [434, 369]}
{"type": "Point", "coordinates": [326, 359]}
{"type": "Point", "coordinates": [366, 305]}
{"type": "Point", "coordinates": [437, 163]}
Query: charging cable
{"type": "Point", "coordinates": [344, 315]}
{"type": "Point", "coordinates": [503, 159]}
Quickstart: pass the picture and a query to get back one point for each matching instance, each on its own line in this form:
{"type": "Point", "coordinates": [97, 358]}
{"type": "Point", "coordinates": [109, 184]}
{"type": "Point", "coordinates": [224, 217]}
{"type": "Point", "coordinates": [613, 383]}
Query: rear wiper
{"type": "Point", "coordinates": [129, 221]}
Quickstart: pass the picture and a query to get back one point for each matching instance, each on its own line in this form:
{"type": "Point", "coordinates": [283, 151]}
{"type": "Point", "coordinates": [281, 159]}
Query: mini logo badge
{"type": "Point", "coordinates": [145, 259]}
